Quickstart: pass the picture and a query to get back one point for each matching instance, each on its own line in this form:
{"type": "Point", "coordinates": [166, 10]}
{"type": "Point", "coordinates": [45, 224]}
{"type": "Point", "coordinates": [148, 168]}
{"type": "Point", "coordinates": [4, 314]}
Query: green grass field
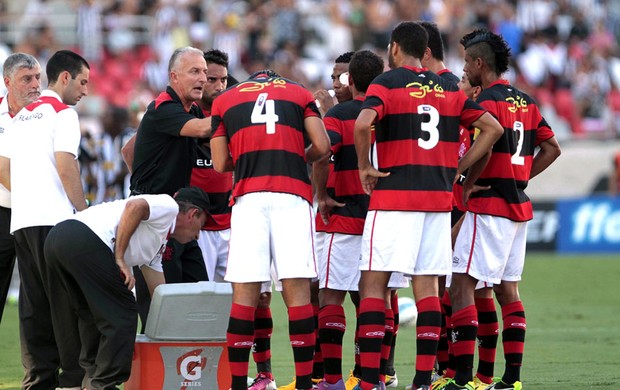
{"type": "Point", "coordinates": [573, 313]}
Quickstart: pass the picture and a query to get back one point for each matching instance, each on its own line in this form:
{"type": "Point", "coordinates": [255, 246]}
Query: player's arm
{"type": "Point", "coordinates": [362, 138]}
{"type": "Point", "coordinates": [325, 100]}
{"type": "Point", "coordinates": [197, 128]}
{"type": "Point", "coordinates": [128, 152]}
{"type": "Point", "coordinates": [5, 172]}
{"type": "Point", "coordinates": [320, 173]}
{"type": "Point", "coordinates": [69, 173]}
{"type": "Point", "coordinates": [136, 210]}
{"type": "Point", "coordinates": [474, 172]}
{"type": "Point", "coordinates": [320, 145]}
{"type": "Point", "coordinates": [222, 160]}
{"type": "Point", "coordinates": [490, 132]}
{"type": "Point", "coordinates": [548, 153]}
{"type": "Point", "coordinates": [152, 278]}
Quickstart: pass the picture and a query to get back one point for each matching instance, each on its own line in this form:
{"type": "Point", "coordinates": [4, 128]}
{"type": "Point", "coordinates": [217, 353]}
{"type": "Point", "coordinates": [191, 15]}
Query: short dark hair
{"type": "Point", "coordinates": [491, 47]}
{"type": "Point", "coordinates": [65, 60]}
{"type": "Point", "coordinates": [364, 67]}
{"type": "Point", "coordinates": [435, 43]}
{"type": "Point", "coordinates": [218, 57]}
{"type": "Point", "coordinates": [411, 37]}
{"type": "Point", "coordinates": [266, 73]}
{"type": "Point", "coordinates": [344, 58]}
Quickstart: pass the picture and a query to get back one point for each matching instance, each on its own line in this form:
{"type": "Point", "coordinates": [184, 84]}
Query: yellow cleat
{"type": "Point", "coordinates": [291, 386]}
{"type": "Point", "coordinates": [351, 382]}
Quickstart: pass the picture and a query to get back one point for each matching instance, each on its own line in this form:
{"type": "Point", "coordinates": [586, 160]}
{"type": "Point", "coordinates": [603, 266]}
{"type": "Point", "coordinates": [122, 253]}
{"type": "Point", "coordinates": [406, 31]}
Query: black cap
{"type": "Point", "coordinates": [195, 196]}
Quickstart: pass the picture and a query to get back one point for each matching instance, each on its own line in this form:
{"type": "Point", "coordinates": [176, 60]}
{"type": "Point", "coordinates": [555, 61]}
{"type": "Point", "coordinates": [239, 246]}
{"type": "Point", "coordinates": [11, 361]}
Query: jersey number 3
{"type": "Point", "coordinates": [268, 117]}
{"type": "Point", "coordinates": [429, 126]}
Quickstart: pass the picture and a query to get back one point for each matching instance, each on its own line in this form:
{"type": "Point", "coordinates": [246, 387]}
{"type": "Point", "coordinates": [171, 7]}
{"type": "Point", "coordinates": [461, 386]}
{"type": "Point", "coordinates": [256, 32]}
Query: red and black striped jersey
{"type": "Point", "coordinates": [263, 120]}
{"type": "Point", "coordinates": [339, 122]}
{"type": "Point", "coordinates": [419, 115]}
{"type": "Point", "coordinates": [508, 170]}
{"type": "Point", "coordinates": [446, 74]}
{"type": "Point", "coordinates": [319, 225]}
{"type": "Point", "coordinates": [217, 185]}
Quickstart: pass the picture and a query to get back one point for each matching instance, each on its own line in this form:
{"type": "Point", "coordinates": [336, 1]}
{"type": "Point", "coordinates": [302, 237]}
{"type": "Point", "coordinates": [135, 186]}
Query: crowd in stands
{"type": "Point", "coordinates": [565, 52]}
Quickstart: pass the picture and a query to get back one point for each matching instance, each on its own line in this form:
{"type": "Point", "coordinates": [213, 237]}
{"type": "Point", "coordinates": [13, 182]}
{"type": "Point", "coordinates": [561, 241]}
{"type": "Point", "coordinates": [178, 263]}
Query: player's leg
{"type": "Point", "coordinates": [332, 325]}
{"type": "Point", "coordinates": [488, 332]}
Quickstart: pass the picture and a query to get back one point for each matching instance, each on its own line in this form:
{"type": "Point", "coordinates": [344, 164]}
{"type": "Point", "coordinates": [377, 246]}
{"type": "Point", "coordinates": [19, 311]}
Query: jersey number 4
{"type": "Point", "coordinates": [265, 112]}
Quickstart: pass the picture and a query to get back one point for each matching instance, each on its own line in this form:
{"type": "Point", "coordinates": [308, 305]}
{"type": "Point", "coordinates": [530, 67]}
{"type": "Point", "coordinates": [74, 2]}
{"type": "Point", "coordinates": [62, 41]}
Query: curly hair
{"type": "Point", "coordinates": [344, 58]}
{"type": "Point", "coordinates": [491, 47]}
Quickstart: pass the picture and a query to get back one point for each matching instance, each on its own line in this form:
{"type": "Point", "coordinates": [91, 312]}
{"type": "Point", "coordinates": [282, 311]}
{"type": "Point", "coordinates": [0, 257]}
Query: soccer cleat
{"type": "Point", "coordinates": [479, 384]}
{"type": "Point", "coordinates": [263, 382]}
{"type": "Point", "coordinates": [377, 387]}
{"type": "Point", "coordinates": [412, 387]}
{"type": "Point", "coordinates": [440, 383]}
{"type": "Point", "coordinates": [351, 382]}
{"type": "Point", "coordinates": [324, 385]}
{"type": "Point", "coordinates": [391, 380]}
{"type": "Point", "coordinates": [499, 384]}
{"type": "Point", "coordinates": [451, 385]}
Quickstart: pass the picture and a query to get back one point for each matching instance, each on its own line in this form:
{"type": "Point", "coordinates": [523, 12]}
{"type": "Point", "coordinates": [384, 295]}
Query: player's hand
{"type": "Point", "coordinates": [126, 274]}
{"type": "Point", "coordinates": [471, 189]}
{"type": "Point", "coordinates": [326, 208]}
{"type": "Point", "coordinates": [369, 177]}
{"type": "Point", "coordinates": [325, 99]}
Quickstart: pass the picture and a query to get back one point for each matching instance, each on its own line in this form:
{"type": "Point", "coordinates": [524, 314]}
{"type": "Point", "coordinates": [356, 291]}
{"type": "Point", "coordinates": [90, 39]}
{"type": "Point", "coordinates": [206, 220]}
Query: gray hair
{"type": "Point", "coordinates": [177, 54]}
{"type": "Point", "coordinates": [17, 61]}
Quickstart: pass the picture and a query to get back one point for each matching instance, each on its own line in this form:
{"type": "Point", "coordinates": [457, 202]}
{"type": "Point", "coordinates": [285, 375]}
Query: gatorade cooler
{"type": "Point", "coordinates": [185, 342]}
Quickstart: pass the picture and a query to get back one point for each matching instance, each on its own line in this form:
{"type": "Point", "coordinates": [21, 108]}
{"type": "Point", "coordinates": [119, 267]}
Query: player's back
{"type": "Point", "coordinates": [508, 170]}
{"type": "Point", "coordinates": [263, 120]}
{"type": "Point", "coordinates": [417, 137]}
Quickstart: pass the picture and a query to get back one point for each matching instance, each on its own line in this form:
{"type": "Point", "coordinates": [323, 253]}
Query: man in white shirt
{"type": "Point", "coordinates": [41, 156]}
{"type": "Point", "coordinates": [93, 254]}
{"type": "Point", "coordinates": [22, 77]}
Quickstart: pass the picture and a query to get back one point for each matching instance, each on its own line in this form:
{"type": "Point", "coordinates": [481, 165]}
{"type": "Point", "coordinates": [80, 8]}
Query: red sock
{"type": "Point", "coordinates": [446, 304]}
{"type": "Point", "coordinates": [386, 346]}
{"type": "Point", "coordinates": [371, 334]}
{"type": "Point", "coordinates": [513, 340]}
{"type": "Point", "coordinates": [332, 325]}
{"type": "Point", "coordinates": [488, 332]}
{"type": "Point", "coordinates": [428, 328]}
{"type": "Point", "coordinates": [239, 341]}
{"type": "Point", "coordinates": [317, 364]}
{"type": "Point", "coordinates": [263, 327]}
{"type": "Point", "coordinates": [301, 333]}
{"type": "Point", "coordinates": [464, 328]}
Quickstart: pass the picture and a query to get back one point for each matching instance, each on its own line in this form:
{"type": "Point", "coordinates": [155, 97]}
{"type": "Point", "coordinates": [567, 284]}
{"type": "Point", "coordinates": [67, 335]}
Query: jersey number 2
{"type": "Point", "coordinates": [516, 158]}
{"type": "Point", "coordinates": [269, 117]}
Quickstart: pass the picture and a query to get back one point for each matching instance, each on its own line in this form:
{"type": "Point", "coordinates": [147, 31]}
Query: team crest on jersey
{"type": "Point", "coordinates": [253, 86]}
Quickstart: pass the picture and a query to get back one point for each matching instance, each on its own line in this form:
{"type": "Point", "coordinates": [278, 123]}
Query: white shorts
{"type": "Point", "coordinates": [270, 227]}
{"type": "Point", "coordinates": [319, 244]}
{"type": "Point", "coordinates": [414, 243]}
{"type": "Point", "coordinates": [339, 263]}
{"type": "Point", "coordinates": [490, 248]}
{"type": "Point", "coordinates": [214, 246]}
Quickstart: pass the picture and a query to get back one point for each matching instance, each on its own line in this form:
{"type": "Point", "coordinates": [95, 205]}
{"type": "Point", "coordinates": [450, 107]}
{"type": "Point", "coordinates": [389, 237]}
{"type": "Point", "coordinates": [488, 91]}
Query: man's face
{"type": "Point", "coordinates": [189, 76]}
{"type": "Point", "coordinates": [217, 80]}
{"type": "Point", "coordinates": [188, 225]}
{"type": "Point", "coordinates": [343, 93]}
{"type": "Point", "coordinates": [472, 71]}
{"type": "Point", "coordinates": [25, 85]}
{"type": "Point", "coordinates": [77, 87]}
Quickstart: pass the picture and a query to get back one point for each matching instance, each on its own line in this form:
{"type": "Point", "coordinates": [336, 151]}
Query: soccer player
{"type": "Point", "coordinates": [260, 129]}
{"type": "Point", "coordinates": [416, 116]}
{"type": "Point", "coordinates": [490, 246]}
{"type": "Point", "coordinates": [215, 235]}
{"type": "Point", "coordinates": [343, 216]}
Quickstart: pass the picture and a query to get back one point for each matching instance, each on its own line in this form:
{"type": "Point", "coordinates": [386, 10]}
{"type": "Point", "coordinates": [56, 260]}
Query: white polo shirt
{"type": "Point", "coordinates": [6, 121]}
{"type": "Point", "coordinates": [149, 240]}
{"type": "Point", "coordinates": [39, 130]}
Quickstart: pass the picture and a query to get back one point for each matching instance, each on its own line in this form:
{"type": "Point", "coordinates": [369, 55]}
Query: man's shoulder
{"type": "Point", "coordinates": [47, 101]}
